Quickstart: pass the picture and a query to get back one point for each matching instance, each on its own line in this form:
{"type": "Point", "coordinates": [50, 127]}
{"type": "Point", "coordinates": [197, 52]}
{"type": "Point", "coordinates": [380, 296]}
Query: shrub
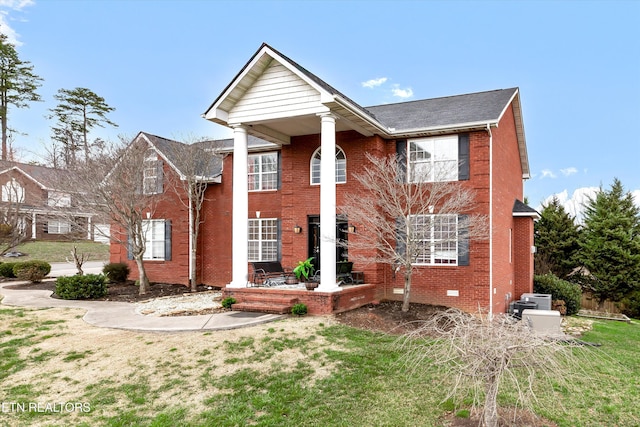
{"type": "Point", "coordinates": [299, 309]}
{"type": "Point", "coordinates": [33, 271]}
{"type": "Point", "coordinates": [559, 289]}
{"type": "Point", "coordinates": [228, 302]}
{"type": "Point", "coordinates": [630, 304]}
{"type": "Point", "coordinates": [6, 269]}
{"type": "Point", "coordinates": [116, 271]}
{"type": "Point", "coordinates": [88, 286]}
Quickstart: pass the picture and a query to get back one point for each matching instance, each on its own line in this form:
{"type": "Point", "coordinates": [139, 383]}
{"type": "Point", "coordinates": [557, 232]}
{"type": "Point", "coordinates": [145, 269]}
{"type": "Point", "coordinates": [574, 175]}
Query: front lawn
{"type": "Point", "coordinates": [308, 371]}
{"type": "Point", "coordinates": [60, 251]}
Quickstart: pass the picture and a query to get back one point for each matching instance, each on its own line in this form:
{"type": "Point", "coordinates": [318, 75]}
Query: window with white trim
{"type": "Point", "coordinates": [58, 200]}
{"type": "Point", "coordinates": [154, 233]}
{"type": "Point", "coordinates": [433, 159]}
{"type": "Point", "coordinates": [341, 166]}
{"type": "Point", "coordinates": [263, 239]}
{"type": "Point", "coordinates": [263, 171]}
{"type": "Point", "coordinates": [436, 239]}
{"type": "Point", "coordinates": [58, 227]}
{"type": "Point", "coordinates": [12, 191]}
{"type": "Point", "coordinates": [152, 174]}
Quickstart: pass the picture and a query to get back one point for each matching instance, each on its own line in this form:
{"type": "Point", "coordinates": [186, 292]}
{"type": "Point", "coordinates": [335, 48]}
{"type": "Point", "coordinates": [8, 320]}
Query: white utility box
{"type": "Point", "coordinates": [543, 321]}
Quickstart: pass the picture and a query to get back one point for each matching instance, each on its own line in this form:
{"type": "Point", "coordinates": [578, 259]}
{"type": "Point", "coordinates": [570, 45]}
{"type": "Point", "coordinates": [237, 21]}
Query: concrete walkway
{"type": "Point", "coordinates": [122, 315]}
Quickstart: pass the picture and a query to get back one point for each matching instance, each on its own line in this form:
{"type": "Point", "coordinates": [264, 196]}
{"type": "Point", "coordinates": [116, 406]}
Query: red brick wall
{"type": "Point", "coordinates": [523, 242]}
{"type": "Point", "coordinates": [507, 187]}
{"type": "Point", "coordinates": [172, 208]}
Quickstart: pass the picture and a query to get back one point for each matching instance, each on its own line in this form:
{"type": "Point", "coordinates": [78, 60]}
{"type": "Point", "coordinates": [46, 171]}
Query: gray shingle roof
{"type": "Point", "coordinates": [174, 151]}
{"type": "Point", "coordinates": [447, 111]}
{"type": "Point", "coordinates": [521, 209]}
{"type": "Point", "coordinates": [45, 176]}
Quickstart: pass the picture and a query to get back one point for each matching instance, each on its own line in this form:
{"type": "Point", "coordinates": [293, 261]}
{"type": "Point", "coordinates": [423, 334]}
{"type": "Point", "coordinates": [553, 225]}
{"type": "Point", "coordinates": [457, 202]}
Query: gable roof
{"type": "Point", "coordinates": [43, 176]}
{"type": "Point", "coordinates": [171, 151]}
{"type": "Point", "coordinates": [476, 111]}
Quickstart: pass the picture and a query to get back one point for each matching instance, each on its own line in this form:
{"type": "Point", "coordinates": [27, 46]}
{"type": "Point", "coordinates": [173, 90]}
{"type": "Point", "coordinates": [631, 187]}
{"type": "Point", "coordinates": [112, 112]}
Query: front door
{"type": "Point", "coordinates": [314, 240]}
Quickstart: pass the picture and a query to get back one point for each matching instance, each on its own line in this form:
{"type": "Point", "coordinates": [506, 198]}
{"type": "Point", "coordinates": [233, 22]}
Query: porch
{"type": "Point", "coordinates": [279, 300]}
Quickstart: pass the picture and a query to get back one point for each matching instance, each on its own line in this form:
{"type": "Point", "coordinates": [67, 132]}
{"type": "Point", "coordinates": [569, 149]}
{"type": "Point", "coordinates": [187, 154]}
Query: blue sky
{"type": "Point", "coordinates": [162, 63]}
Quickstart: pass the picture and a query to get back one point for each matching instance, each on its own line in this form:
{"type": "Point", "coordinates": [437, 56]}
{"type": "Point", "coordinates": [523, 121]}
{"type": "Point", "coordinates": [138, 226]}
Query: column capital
{"type": "Point", "coordinates": [327, 116]}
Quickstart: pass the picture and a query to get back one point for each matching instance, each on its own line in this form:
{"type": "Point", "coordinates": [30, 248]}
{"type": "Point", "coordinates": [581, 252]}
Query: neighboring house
{"type": "Point", "coordinates": [272, 199]}
{"type": "Point", "coordinates": [46, 212]}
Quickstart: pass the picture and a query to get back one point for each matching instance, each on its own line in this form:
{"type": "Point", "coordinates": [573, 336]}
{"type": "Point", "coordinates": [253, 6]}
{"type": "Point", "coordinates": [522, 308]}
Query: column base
{"type": "Point", "coordinates": [237, 285]}
{"type": "Point", "coordinates": [328, 288]}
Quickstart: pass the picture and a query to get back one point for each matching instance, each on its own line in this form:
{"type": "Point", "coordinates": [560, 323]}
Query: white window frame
{"type": "Point", "coordinates": [150, 173]}
{"type": "Point", "coordinates": [154, 236]}
{"type": "Point", "coordinates": [262, 179]}
{"type": "Point", "coordinates": [431, 247]}
{"type": "Point", "coordinates": [263, 239]}
{"type": "Point", "coordinates": [56, 226]}
{"type": "Point", "coordinates": [341, 167]}
{"type": "Point", "coordinates": [58, 200]}
{"type": "Point", "coordinates": [433, 159]}
{"type": "Point", "coordinates": [12, 191]}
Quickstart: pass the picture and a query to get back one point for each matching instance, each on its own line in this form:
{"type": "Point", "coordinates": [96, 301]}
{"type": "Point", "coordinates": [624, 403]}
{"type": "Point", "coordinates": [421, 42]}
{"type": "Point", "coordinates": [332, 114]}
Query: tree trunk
{"type": "Point", "coordinates": [490, 412]}
{"type": "Point", "coordinates": [3, 111]}
{"type": "Point", "coordinates": [78, 259]}
{"type": "Point", "coordinates": [142, 274]}
{"type": "Point", "coordinates": [406, 297]}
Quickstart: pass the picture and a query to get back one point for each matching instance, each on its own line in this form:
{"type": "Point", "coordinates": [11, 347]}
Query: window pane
{"type": "Point", "coordinates": [341, 166]}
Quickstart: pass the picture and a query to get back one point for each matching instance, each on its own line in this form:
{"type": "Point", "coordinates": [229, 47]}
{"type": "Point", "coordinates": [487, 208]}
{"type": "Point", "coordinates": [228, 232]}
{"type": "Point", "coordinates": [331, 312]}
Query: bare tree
{"type": "Point", "coordinates": [198, 164]}
{"type": "Point", "coordinates": [113, 186]}
{"type": "Point", "coordinates": [410, 222]}
{"type": "Point", "coordinates": [480, 355]}
{"type": "Point", "coordinates": [13, 215]}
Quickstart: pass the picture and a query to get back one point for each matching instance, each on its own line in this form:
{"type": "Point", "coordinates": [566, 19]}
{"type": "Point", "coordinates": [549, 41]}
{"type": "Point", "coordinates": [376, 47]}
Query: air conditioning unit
{"type": "Point", "coordinates": [543, 300]}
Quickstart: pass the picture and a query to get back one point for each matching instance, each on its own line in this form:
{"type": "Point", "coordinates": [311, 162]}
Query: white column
{"type": "Point", "coordinates": [240, 233]}
{"type": "Point", "coordinates": [89, 228]}
{"type": "Point", "coordinates": [328, 204]}
{"type": "Point", "coordinates": [33, 226]}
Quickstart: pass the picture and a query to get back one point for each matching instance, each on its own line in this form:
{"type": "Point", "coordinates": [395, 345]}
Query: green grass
{"type": "Point", "coordinates": [61, 251]}
{"type": "Point", "coordinates": [340, 377]}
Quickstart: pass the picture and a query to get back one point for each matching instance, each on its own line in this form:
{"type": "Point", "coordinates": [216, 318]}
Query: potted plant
{"type": "Point", "coordinates": [303, 271]}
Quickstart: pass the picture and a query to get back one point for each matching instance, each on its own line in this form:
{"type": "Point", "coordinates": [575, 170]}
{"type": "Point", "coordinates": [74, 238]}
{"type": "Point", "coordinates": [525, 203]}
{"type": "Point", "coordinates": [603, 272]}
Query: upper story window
{"type": "Point", "coordinates": [263, 171]}
{"type": "Point", "coordinates": [436, 238]}
{"type": "Point", "coordinates": [12, 191]}
{"type": "Point", "coordinates": [341, 166]}
{"type": "Point", "coordinates": [152, 174]}
{"type": "Point", "coordinates": [59, 200]}
{"type": "Point", "coordinates": [433, 159]}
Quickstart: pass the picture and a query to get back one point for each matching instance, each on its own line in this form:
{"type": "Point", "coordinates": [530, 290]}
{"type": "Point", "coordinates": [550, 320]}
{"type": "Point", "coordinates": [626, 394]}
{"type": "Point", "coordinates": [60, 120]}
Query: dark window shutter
{"type": "Point", "coordinates": [401, 154]}
{"type": "Point", "coordinates": [129, 248]}
{"type": "Point", "coordinates": [463, 157]}
{"type": "Point", "coordinates": [279, 237]}
{"type": "Point", "coordinates": [401, 237]}
{"type": "Point", "coordinates": [463, 240]}
{"type": "Point", "coordinates": [167, 240]}
{"type": "Point", "coordinates": [159, 177]}
{"type": "Point", "coordinates": [279, 168]}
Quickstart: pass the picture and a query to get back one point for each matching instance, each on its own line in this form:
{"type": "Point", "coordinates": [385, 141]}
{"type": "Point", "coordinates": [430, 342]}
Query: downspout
{"type": "Point", "coordinates": [190, 238]}
{"type": "Point", "coordinates": [490, 220]}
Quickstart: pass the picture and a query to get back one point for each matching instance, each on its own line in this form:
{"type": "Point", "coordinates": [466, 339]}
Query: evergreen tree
{"type": "Point", "coordinates": [610, 244]}
{"type": "Point", "coordinates": [556, 239]}
{"type": "Point", "coordinates": [18, 85]}
{"type": "Point", "coordinates": [78, 111]}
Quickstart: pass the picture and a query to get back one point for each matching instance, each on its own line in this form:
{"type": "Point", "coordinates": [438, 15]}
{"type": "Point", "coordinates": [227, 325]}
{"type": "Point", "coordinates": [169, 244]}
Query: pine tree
{"type": "Point", "coordinates": [556, 239]}
{"type": "Point", "coordinates": [610, 244]}
{"type": "Point", "coordinates": [78, 111]}
{"type": "Point", "coordinates": [18, 85]}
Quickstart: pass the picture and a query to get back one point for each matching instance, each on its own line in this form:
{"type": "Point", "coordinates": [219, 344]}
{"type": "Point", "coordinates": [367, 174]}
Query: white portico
{"type": "Point", "coordinates": [275, 99]}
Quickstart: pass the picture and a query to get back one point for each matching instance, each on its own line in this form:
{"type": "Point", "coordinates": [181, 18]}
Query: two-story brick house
{"type": "Point", "coordinates": [276, 192]}
{"type": "Point", "coordinates": [46, 211]}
